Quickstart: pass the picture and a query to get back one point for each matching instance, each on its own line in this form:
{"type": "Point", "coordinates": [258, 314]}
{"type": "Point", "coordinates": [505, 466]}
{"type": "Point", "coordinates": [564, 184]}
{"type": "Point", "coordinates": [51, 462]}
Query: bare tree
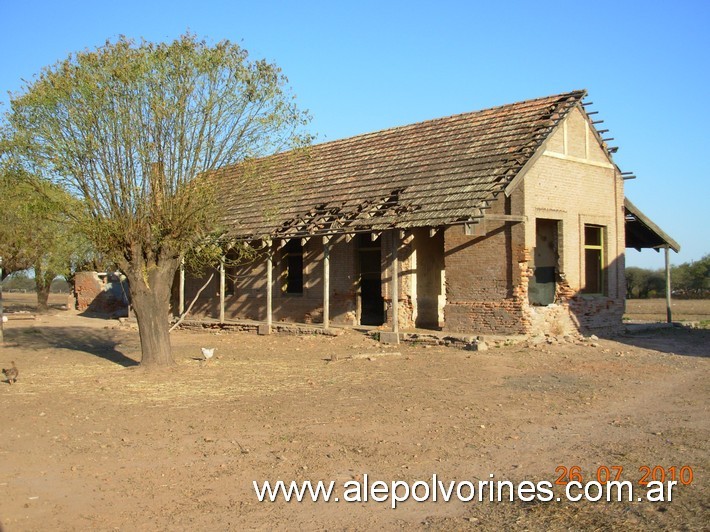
{"type": "Point", "coordinates": [134, 130]}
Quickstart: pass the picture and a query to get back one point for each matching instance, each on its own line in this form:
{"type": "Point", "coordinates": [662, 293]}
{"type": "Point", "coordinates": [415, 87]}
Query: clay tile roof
{"type": "Point", "coordinates": [427, 174]}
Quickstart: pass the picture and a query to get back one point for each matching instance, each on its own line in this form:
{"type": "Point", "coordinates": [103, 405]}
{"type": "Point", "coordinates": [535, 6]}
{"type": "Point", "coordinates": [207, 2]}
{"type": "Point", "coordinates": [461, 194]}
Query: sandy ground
{"type": "Point", "coordinates": [89, 441]}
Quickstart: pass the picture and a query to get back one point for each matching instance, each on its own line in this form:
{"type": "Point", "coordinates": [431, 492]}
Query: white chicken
{"type": "Point", "coordinates": [207, 353]}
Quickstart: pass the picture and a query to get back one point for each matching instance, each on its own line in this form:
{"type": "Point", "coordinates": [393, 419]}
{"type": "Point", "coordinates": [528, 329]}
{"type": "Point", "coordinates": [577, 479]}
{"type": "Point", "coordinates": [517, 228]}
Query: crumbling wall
{"type": "Point", "coordinates": [487, 275]}
{"type": "Point", "coordinates": [575, 183]}
{"type": "Point", "coordinates": [104, 294]}
{"type": "Point", "coordinates": [405, 289]}
{"type": "Point", "coordinates": [428, 276]}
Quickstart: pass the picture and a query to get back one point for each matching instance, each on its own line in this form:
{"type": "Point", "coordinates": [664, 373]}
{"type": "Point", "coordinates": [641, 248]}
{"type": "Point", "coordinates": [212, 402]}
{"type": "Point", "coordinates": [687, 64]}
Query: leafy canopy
{"type": "Point", "coordinates": [689, 279]}
{"type": "Point", "coordinates": [133, 129]}
{"type": "Point", "coordinates": [35, 231]}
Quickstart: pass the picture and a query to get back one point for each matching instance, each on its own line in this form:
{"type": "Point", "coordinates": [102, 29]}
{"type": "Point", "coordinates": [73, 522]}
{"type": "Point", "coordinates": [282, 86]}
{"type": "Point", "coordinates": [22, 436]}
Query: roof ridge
{"type": "Point", "coordinates": [438, 171]}
{"type": "Point", "coordinates": [579, 94]}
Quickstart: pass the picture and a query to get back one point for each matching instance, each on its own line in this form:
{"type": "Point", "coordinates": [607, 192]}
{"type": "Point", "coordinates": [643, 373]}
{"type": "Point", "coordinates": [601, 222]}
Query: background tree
{"type": "Point", "coordinates": [133, 129]}
{"type": "Point", "coordinates": [14, 257]}
{"type": "Point", "coordinates": [35, 231]}
{"type": "Point", "coordinates": [690, 280]}
{"type": "Point", "coordinates": [18, 281]}
{"type": "Point", "coordinates": [636, 280]}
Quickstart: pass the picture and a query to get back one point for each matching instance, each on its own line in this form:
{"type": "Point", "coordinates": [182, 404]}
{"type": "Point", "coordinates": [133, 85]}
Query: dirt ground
{"type": "Point", "coordinates": [89, 441]}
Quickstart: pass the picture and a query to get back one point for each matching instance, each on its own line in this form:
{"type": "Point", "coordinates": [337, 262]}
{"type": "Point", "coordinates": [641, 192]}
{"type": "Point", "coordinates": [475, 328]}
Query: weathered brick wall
{"type": "Point", "coordinates": [486, 275]}
{"type": "Point", "coordinates": [342, 282]}
{"type": "Point", "coordinates": [207, 305]}
{"type": "Point", "coordinates": [248, 299]}
{"type": "Point", "coordinates": [100, 294]}
{"type": "Point", "coordinates": [406, 293]}
{"type": "Point", "coordinates": [575, 183]}
{"type": "Point", "coordinates": [428, 277]}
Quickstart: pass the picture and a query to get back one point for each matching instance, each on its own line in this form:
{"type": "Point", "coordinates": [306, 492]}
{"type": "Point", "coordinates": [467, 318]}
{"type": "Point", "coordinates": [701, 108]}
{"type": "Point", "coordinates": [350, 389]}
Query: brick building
{"type": "Point", "coordinates": [509, 220]}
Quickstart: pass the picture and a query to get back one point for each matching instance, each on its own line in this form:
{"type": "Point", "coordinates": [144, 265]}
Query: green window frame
{"type": "Point", "coordinates": [594, 271]}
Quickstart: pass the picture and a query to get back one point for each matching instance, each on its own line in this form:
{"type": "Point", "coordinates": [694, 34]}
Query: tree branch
{"type": "Point", "coordinates": [189, 308]}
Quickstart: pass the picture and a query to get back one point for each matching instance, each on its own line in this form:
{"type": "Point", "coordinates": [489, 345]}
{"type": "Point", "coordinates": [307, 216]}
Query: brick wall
{"type": "Point", "coordinates": [406, 279]}
{"type": "Point", "coordinates": [575, 183]}
{"type": "Point", "coordinates": [101, 294]}
{"type": "Point", "coordinates": [248, 298]}
{"type": "Point", "coordinates": [486, 275]}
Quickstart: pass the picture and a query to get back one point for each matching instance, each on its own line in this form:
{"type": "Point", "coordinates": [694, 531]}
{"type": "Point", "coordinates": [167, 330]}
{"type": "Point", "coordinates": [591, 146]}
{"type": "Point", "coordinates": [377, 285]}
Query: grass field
{"type": "Point", "coordinates": [655, 309]}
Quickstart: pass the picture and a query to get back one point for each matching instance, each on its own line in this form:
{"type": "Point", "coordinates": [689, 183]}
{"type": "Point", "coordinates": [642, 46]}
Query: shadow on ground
{"type": "Point", "coordinates": [32, 308]}
{"type": "Point", "coordinates": [676, 340]}
{"type": "Point", "coordinates": [92, 341]}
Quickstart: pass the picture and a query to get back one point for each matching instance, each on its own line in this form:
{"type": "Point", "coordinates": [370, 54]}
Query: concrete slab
{"type": "Point", "coordinates": [388, 337]}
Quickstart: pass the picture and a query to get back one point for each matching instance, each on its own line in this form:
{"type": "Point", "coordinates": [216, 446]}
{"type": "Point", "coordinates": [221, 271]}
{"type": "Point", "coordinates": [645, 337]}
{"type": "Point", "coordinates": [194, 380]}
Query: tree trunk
{"type": "Point", "coordinates": [42, 299]}
{"type": "Point", "coordinates": [43, 283]}
{"type": "Point", "coordinates": [150, 297]}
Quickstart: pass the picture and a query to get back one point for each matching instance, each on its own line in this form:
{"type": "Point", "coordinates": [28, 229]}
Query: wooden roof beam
{"type": "Point", "coordinates": [513, 218]}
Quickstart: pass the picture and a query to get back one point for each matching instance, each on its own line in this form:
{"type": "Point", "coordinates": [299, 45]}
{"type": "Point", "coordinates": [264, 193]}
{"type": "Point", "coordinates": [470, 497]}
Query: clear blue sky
{"type": "Point", "coordinates": [368, 65]}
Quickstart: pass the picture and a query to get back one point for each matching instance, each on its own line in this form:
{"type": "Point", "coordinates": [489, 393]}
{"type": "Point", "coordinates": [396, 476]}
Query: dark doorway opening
{"type": "Point", "coordinates": [543, 284]}
{"type": "Point", "coordinates": [372, 304]}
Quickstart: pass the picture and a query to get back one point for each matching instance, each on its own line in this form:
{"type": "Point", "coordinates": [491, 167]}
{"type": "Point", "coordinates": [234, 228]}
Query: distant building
{"type": "Point", "coordinates": [101, 293]}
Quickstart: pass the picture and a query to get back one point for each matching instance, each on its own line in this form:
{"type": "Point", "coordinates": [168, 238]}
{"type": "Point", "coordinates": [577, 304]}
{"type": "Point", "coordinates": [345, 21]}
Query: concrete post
{"type": "Point", "coordinates": [221, 289]}
{"type": "Point", "coordinates": [669, 313]}
{"type": "Point", "coordinates": [269, 287]}
{"type": "Point", "coordinates": [395, 282]}
{"type": "Point", "coordinates": [326, 282]}
{"type": "Point", "coordinates": [181, 305]}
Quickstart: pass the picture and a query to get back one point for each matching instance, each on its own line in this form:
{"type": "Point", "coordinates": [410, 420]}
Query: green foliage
{"type": "Point", "coordinates": [690, 279]}
{"type": "Point", "coordinates": [208, 254]}
{"type": "Point", "coordinates": [130, 127]}
{"type": "Point", "coordinates": [643, 283]}
{"type": "Point", "coordinates": [22, 282]}
{"type": "Point", "coordinates": [135, 131]}
{"type": "Point", "coordinates": [18, 281]}
{"type": "Point", "coordinates": [60, 286]}
{"type": "Point", "coordinates": [35, 231]}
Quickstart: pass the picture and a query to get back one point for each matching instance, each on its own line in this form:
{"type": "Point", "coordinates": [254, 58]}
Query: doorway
{"type": "Point", "coordinates": [430, 282]}
{"type": "Point", "coordinates": [543, 283]}
{"type": "Point", "coordinates": [369, 263]}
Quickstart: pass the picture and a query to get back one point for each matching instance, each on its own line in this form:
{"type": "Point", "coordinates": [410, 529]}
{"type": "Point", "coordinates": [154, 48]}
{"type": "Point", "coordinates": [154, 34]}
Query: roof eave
{"type": "Point", "coordinates": [646, 221]}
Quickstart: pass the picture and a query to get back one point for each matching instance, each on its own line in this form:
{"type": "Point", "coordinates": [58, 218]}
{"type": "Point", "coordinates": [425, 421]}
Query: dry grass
{"type": "Point", "coordinates": [655, 309]}
{"type": "Point", "coordinates": [91, 441]}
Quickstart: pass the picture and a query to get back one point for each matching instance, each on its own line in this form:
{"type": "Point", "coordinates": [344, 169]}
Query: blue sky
{"type": "Point", "coordinates": [368, 65]}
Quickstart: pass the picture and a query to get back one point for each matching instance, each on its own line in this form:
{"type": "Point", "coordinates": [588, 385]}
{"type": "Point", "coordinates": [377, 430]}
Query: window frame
{"type": "Point", "coordinates": [600, 247]}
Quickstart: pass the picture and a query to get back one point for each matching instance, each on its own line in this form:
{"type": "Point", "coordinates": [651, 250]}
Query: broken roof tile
{"type": "Point", "coordinates": [431, 173]}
